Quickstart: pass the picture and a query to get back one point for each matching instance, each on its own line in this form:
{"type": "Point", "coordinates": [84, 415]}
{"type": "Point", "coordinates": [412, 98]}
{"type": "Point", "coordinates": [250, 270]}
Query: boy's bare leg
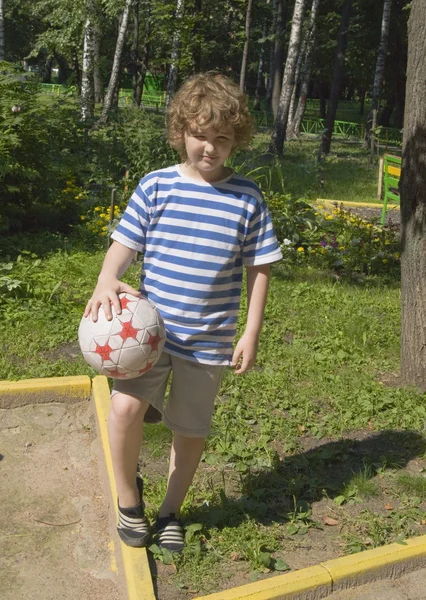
{"type": "Point", "coordinates": [125, 430]}
{"type": "Point", "coordinates": [185, 457]}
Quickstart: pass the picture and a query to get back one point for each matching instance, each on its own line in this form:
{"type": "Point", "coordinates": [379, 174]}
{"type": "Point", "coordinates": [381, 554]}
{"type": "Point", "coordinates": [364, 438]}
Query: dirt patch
{"type": "Point", "coordinates": [55, 518]}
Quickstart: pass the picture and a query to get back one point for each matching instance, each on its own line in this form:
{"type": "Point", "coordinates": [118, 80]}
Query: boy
{"type": "Point", "coordinates": [197, 224]}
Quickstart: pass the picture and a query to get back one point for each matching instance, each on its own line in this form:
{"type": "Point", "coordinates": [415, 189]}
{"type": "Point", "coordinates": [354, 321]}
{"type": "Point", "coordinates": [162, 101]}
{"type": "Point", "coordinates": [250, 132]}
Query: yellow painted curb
{"type": "Point", "coordinates": [356, 204]}
{"type": "Point", "coordinates": [46, 389]}
{"type": "Point", "coordinates": [135, 560]}
{"type": "Point", "coordinates": [377, 563]}
{"type": "Point", "coordinates": [313, 582]}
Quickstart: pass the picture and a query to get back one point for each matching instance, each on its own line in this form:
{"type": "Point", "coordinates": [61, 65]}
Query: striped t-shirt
{"type": "Point", "coordinates": [196, 237]}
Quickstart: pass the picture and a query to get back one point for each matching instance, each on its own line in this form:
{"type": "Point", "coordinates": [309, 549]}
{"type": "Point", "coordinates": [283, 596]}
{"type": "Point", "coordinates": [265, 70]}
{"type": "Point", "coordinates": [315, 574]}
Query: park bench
{"type": "Point", "coordinates": [390, 172]}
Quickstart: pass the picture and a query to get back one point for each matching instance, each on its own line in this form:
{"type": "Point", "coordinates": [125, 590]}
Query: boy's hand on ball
{"type": "Point", "coordinates": [106, 295]}
{"type": "Point", "coordinates": [245, 352]}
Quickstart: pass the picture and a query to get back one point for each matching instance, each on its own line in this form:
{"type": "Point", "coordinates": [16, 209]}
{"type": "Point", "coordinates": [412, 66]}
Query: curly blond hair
{"type": "Point", "coordinates": [210, 100]}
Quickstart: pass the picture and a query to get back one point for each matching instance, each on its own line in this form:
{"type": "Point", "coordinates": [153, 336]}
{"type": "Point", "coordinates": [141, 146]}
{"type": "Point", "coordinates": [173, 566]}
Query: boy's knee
{"type": "Point", "coordinates": [126, 408]}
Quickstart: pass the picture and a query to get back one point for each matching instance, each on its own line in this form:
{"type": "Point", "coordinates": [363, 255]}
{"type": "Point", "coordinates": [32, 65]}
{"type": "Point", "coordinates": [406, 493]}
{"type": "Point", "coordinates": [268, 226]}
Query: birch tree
{"type": "Point", "coordinates": [243, 71]}
{"type": "Point", "coordinates": [336, 82]}
{"type": "Point", "coordinates": [277, 57]}
{"type": "Point", "coordinates": [278, 135]}
{"type": "Point", "coordinates": [294, 129]}
{"type": "Point", "coordinates": [413, 206]}
{"type": "Point", "coordinates": [87, 81]}
{"type": "Point", "coordinates": [1, 30]}
{"type": "Point", "coordinates": [173, 70]}
{"type": "Point", "coordinates": [380, 67]}
{"type": "Point", "coordinates": [115, 73]}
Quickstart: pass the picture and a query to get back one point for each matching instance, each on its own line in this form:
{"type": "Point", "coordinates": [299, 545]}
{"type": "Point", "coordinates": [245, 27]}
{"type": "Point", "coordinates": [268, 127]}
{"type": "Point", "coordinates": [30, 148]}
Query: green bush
{"type": "Point", "coordinates": [40, 142]}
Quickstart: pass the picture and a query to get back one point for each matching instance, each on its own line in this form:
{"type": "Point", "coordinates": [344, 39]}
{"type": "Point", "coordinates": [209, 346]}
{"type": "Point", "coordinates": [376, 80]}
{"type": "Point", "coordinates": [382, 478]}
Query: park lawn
{"type": "Point", "coordinates": [345, 175]}
{"type": "Point", "coordinates": [315, 453]}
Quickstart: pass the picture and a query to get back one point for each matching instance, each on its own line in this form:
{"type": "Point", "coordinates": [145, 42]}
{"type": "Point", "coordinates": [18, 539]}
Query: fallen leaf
{"type": "Point", "coordinates": [235, 556]}
{"type": "Point", "coordinates": [330, 521]}
{"type": "Point", "coordinates": [388, 507]}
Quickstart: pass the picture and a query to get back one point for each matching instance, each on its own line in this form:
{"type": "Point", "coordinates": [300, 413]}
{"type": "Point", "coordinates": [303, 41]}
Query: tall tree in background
{"type": "Point", "coordinates": [413, 206]}
{"type": "Point", "coordinates": [294, 129]}
{"type": "Point", "coordinates": [1, 31]}
{"type": "Point", "coordinates": [278, 135]}
{"type": "Point", "coordinates": [87, 80]}
{"type": "Point", "coordinates": [380, 67]}
{"type": "Point", "coordinates": [115, 73]}
{"type": "Point", "coordinates": [246, 46]}
{"type": "Point", "coordinates": [336, 82]}
{"type": "Point", "coordinates": [277, 58]}
{"type": "Point", "coordinates": [173, 69]}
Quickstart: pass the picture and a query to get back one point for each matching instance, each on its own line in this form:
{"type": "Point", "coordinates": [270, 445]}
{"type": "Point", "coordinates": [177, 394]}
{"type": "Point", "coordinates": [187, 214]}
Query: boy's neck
{"type": "Point", "coordinates": [209, 177]}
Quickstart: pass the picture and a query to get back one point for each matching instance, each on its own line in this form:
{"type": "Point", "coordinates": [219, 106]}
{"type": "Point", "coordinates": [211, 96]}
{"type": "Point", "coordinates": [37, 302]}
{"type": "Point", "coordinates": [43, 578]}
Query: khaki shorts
{"type": "Point", "coordinates": [190, 403]}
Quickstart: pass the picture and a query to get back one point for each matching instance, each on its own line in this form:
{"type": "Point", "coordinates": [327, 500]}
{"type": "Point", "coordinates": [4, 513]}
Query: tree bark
{"type": "Point", "coordinates": [260, 65]}
{"type": "Point", "coordinates": [97, 75]}
{"type": "Point", "coordinates": [173, 71]}
{"type": "Point", "coordinates": [243, 71]}
{"type": "Point", "coordinates": [278, 59]}
{"type": "Point", "coordinates": [87, 105]}
{"type": "Point", "coordinates": [413, 207]}
{"type": "Point", "coordinates": [336, 82]}
{"type": "Point", "coordinates": [77, 71]}
{"type": "Point", "coordinates": [380, 67]}
{"type": "Point", "coordinates": [115, 73]}
{"type": "Point", "coordinates": [198, 10]}
{"type": "Point", "coordinates": [135, 53]}
{"type": "Point", "coordinates": [294, 129]}
{"type": "Point", "coordinates": [278, 135]}
{"type": "Point", "coordinates": [1, 30]}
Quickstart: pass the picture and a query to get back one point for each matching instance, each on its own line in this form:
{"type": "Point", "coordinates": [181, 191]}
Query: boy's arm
{"type": "Point", "coordinates": [257, 293]}
{"type": "Point", "coordinates": [116, 263]}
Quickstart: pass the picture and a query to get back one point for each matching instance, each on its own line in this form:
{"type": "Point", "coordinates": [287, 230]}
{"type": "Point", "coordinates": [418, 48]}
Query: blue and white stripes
{"type": "Point", "coordinates": [196, 237]}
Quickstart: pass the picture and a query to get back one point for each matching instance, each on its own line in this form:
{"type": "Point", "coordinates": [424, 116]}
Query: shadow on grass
{"type": "Point", "coordinates": [321, 472]}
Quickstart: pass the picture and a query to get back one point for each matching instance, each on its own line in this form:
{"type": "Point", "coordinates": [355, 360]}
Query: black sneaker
{"type": "Point", "coordinates": [133, 527]}
{"type": "Point", "coordinates": [171, 535]}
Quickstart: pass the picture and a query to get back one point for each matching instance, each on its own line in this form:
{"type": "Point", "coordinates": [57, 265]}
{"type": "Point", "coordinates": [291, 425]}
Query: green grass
{"type": "Point", "coordinates": [345, 175]}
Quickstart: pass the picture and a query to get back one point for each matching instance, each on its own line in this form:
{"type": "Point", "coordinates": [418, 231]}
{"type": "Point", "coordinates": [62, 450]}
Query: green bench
{"type": "Point", "coordinates": [391, 176]}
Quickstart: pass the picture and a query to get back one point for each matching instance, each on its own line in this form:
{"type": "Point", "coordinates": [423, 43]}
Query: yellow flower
{"type": "Point", "coordinates": [300, 249]}
{"type": "Point", "coordinates": [329, 217]}
{"type": "Point", "coordinates": [320, 206]}
{"type": "Point", "coordinates": [342, 248]}
{"type": "Point", "coordinates": [313, 251]}
{"type": "Point", "coordinates": [385, 260]}
{"type": "Point", "coordinates": [82, 218]}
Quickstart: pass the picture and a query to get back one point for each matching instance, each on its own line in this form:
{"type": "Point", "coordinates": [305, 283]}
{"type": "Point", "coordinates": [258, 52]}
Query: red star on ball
{"type": "Point", "coordinates": [104, 351]}
{"type": "Point", "coordinates": [154, 340]}
{"type": "Point", "coordinates": [124, 302]}
{"type": "Point", "coordinates": [145, 369]}
{"type": "Point", "coordinates": [114, 373]}
{"type": "Point", "coordinates": [128, 331]}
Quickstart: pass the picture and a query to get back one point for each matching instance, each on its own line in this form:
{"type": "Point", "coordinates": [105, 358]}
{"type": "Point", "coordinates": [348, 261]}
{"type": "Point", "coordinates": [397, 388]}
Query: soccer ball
{"type": "Point", "coordinates": [127, 346]}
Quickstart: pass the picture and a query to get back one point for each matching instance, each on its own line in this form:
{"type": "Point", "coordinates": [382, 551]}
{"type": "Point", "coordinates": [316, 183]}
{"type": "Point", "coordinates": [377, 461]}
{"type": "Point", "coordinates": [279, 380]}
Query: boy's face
{"type": "Point", "coordinates": [207, 149]}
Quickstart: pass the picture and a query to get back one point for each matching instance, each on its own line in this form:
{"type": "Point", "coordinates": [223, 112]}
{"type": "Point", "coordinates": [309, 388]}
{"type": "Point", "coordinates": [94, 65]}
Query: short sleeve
{"type": "Point", "coordinates": [132, 228]}
{"type": "Point", "coordinates": [260, 245]}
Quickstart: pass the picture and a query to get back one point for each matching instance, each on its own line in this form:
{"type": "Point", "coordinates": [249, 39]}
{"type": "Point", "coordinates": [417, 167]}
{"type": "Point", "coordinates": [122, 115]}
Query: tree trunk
{"type": "Point", "coordinates": [115, 73]}
{"type": "Point", "coordinates": [198, 11]}
{"type": "Point", "coordinates": [278, 135]}
{"type": "Point", "coordinates": [336, 82]}
{"type": "Point", "coordinates": [243, 71]}
{"type": "Point", "coordinates": [278, 60]}
{"type": "Point", "coordinates": [1, 31]}
{"type": "Point", "coordinates": [87, 86]}
{"type": "Point", "coordinates": [97, 75]}
{"type": "Point", "coordinates": [144, 60]}
{"type": "Point", "coordinates": [260, 66]}
{"type": "Point", "coordinates": [135, 53]}
{"type": "Point", "coordinates": [294, 130]}
{"type": "Point", "coordinates": [380, 67]}
{"type": "Point", "coordinates": [413, 207]}
{"type": "Point", "coordinates": [173, 71]}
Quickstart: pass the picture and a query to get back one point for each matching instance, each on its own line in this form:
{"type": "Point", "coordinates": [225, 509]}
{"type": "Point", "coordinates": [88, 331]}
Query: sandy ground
{"type": "Point", "coordinates": [55, 522]}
